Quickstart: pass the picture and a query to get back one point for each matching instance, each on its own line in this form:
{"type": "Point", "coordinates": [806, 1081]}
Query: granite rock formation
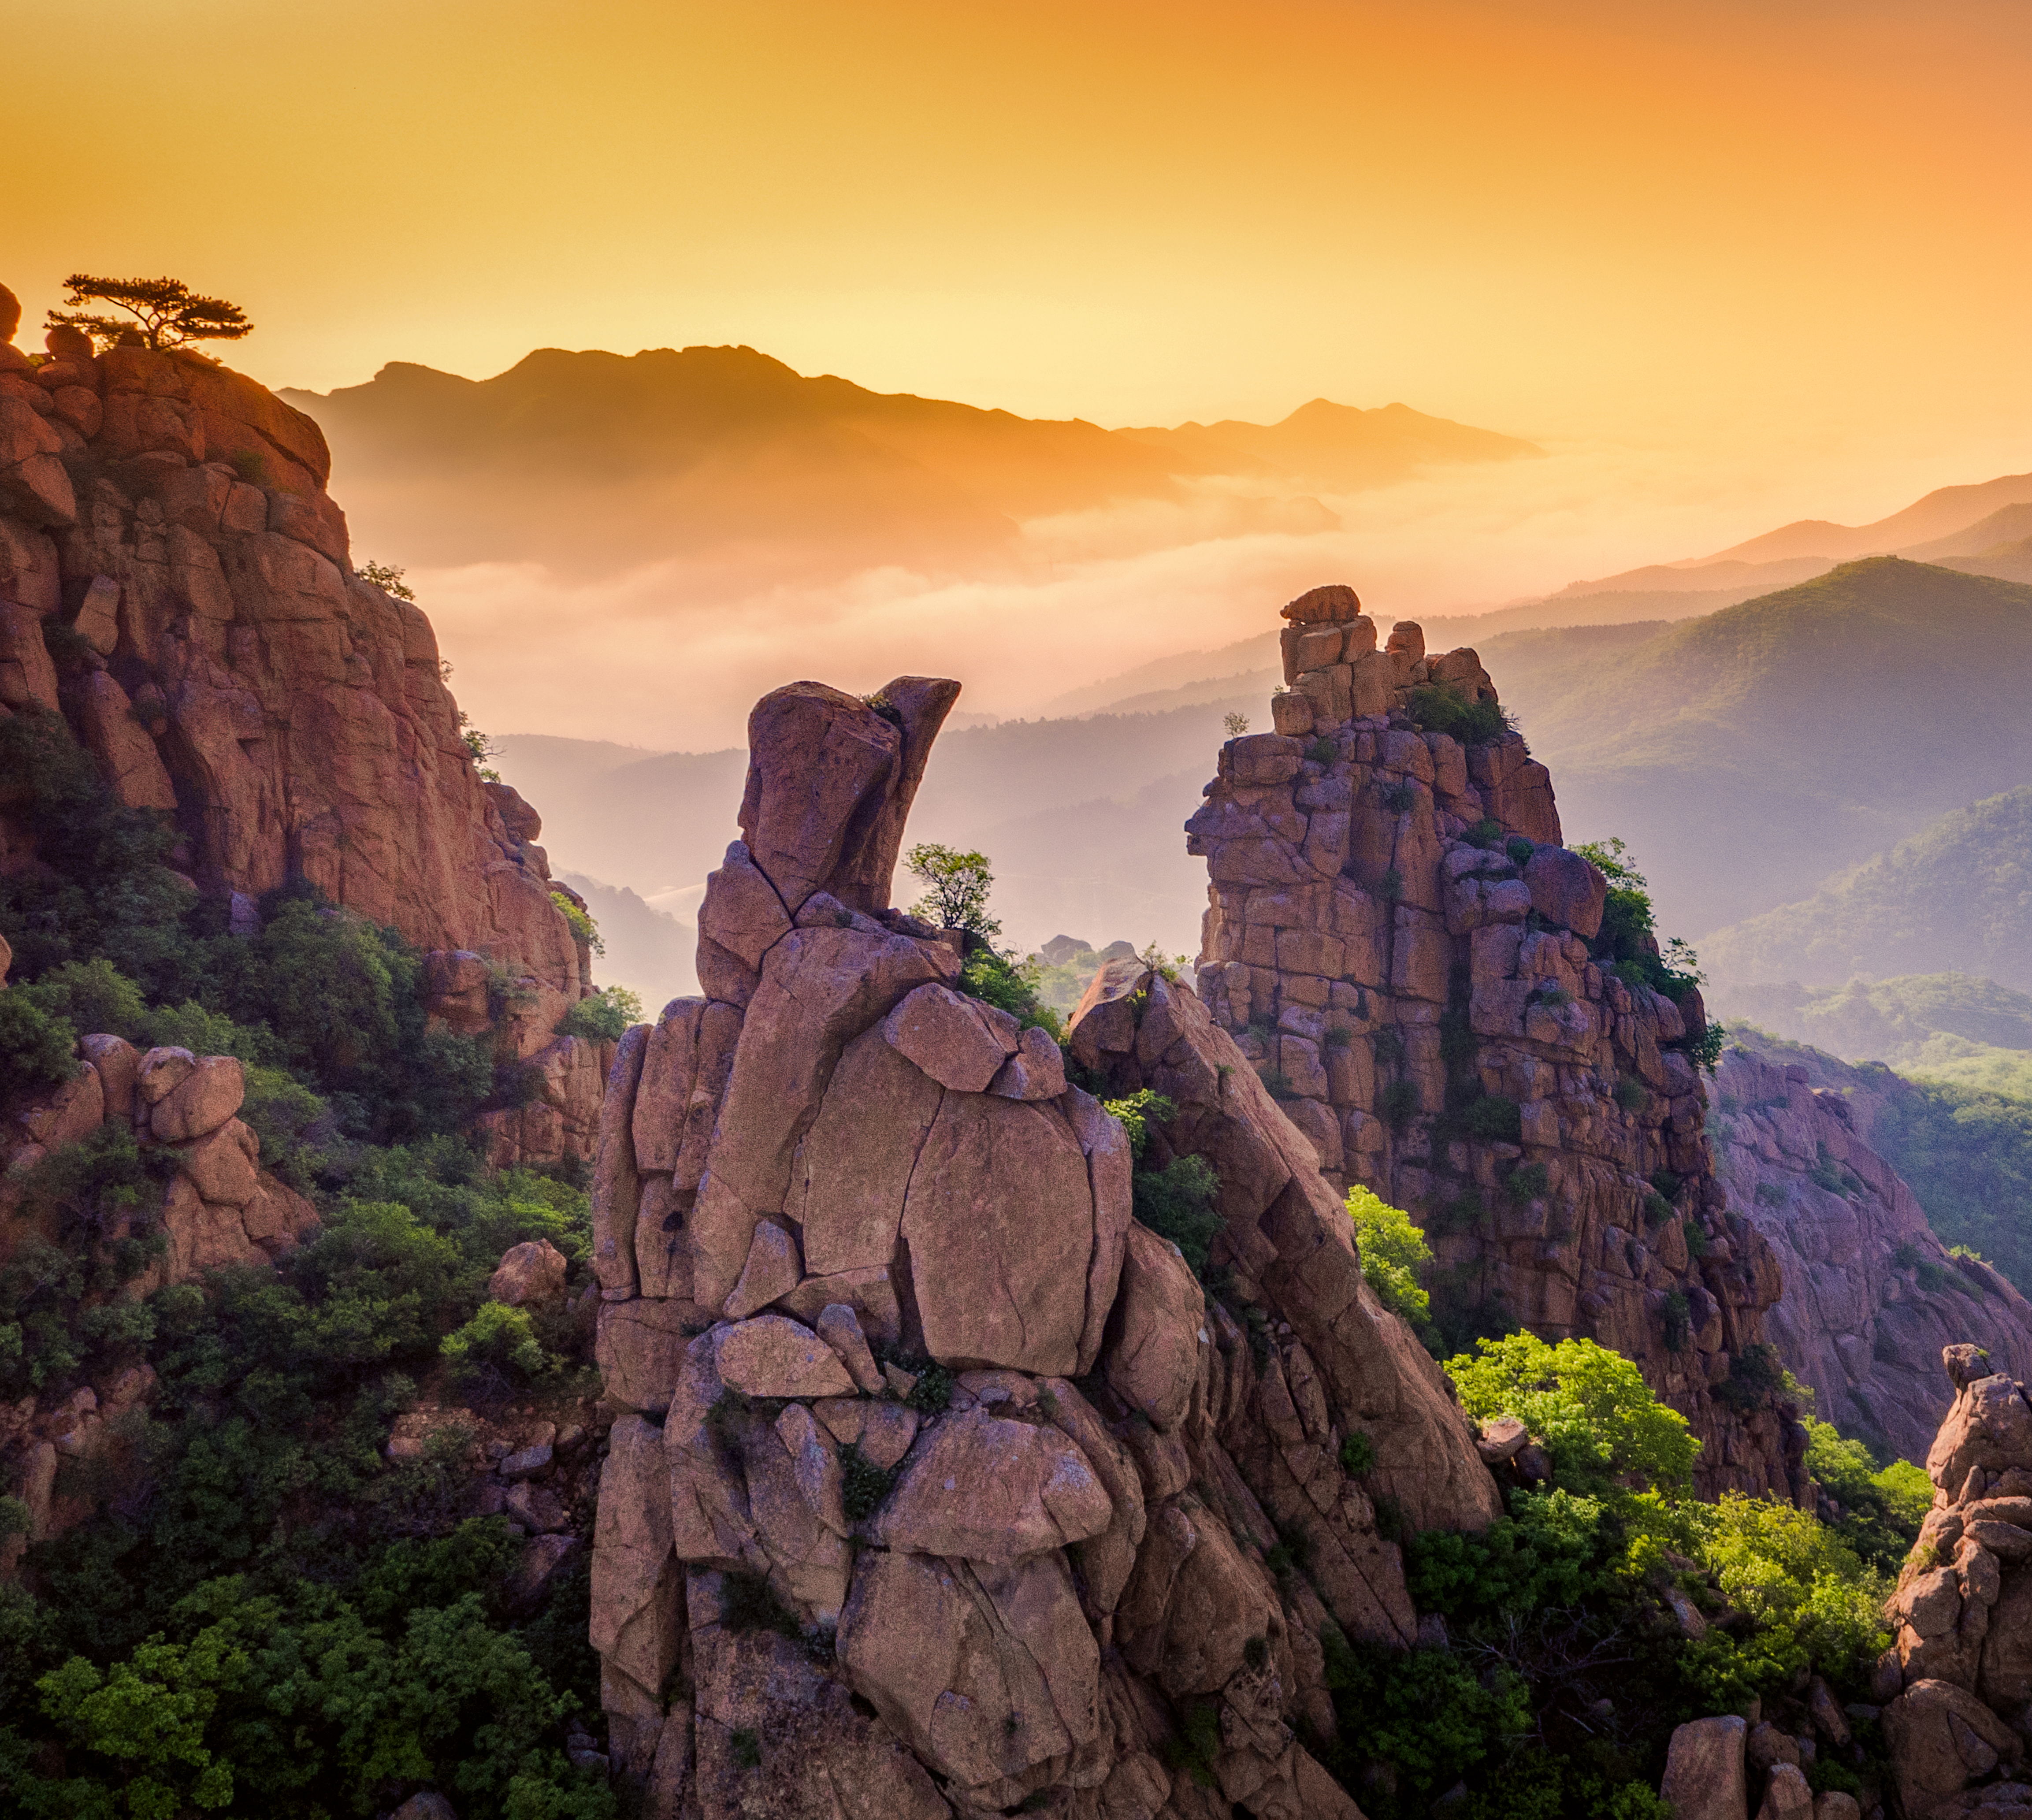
{"type": "Point", "coordinates": [945, 1488]}
{"type": "Point", "coordinates": [1958, 1678]}
{"type": "Point", "coordinates": [219, 1207]}
{"type": "Point", "coordinates": [1399, 943]}
{"type": "Point", "coordinates": [1870, 1294]}
{"type": "Point", "coordinates": [176, 583]}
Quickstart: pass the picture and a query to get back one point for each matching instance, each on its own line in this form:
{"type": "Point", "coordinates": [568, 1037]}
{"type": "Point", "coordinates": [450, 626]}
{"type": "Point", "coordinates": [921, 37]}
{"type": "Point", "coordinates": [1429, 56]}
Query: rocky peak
{"type": "Point", "coordinates": [946, 1488]}
{"type": "Point", "coordinates": [1399, 943]}
{"type": "Point", "coordinates": [176, 584]}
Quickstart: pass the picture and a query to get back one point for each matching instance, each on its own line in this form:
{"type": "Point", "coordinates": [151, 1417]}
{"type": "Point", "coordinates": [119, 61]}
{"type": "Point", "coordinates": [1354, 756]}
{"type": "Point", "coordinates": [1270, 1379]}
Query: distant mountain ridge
{"type": "Point", "coordinates": [590, 462]}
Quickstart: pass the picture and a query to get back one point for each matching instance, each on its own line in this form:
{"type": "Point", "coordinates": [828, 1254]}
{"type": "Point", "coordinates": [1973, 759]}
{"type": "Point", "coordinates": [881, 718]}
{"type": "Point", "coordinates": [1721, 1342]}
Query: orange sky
{"type": "Point", "coordinates": [1697, 224]}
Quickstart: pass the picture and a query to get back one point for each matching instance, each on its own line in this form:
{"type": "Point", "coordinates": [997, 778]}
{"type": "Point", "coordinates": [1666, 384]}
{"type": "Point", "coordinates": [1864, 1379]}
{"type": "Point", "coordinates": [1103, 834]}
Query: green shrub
{"type": "Point", "coordinates": [1520, 849]}
{"type": "Point", "coordinates": [1390, 886]}
{"type": "Point", "coordinates": [1177, 1203]}
{"type": "Point", "coordinates": [1770, 1195]}
{"type": "Point", "coordinates": [1590, 1406]}
{"type": "Point", "coordinates": [35, 1048]}
{"type": "Point", "coordinates": [604, 1016]}
{"type": "Point", "coordinates": [1442, 707]}
{"type": "Point", "coordinates": [1136, 1113]}
{"type": "Point", "coordinates": [1339, 1036]}
{"type": "Point", "coordinates": [93, 997]}
{"type": "Point", "coordinates": [1883, 1508]}
{"type": "Point", "coordinates": [1486, 834]}
{"type": "Point", "coordinates": [1393, 1253]}
{"type": "Point", "coordinates": [1277, 1084]}
{"type": "Point", "coordinates": [1389, 1047]}
{"type": "Point", "coordinates": [584, 929]}
{"type": "Point", "coordinates": [1755, 1375]}
{"type": "Point", "coordinates": [933, 1390]}
{"type": "Point", "coordinates": [864, 1485]}
{"type": "Point", "coordinates": [1527, 1182]}
{"type": "Point", "coordinates": [1679, 1321]}
{"type": "Point", "coordinates": [1398, 798]}
{"type": "Point", "coordinates": [1495, 1119]}
{"type": "Point", "coordinates": [1322, 752]}
{"type": "Point", "coordinates": [1397, 1103]}
{"type": "Point", "coordinates": [1357, 1454]}
{"type": "Point", "coordinates": [499, 1338]}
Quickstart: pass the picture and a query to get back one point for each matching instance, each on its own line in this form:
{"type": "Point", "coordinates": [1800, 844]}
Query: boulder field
{"type": "Point", "coordinates": [902, 1375]}
{"type": "Point", "coordinates": [1397, 939]}
{"type": "Point", "coordinates": [1870, 1294]}
{"type": "Point", "coordinates": [176, 584]}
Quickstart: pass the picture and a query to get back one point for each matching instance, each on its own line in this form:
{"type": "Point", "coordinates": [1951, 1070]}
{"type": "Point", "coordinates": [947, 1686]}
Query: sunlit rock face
{"type": "Point", "coordinates": [176, 584]}
{"type": "Point", "coordinates": [1399, 943]}
{"type": "Point", "coordinates": [826, 1584]}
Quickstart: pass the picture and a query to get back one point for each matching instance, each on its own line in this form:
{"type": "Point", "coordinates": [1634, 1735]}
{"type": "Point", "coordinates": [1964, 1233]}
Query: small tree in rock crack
{"type": "Point", "coordinates": [165, 312]}
{"type": "Point", "coordinates": [956, 887]}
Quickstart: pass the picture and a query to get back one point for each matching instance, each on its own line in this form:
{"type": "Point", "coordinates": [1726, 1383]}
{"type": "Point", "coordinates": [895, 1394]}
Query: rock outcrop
{"type": "Point", "coordinates": [1870, 1294]}
{"type": "Point", "coordinates": [176, 584]}
{"type": "Point", "coordinates": [218, 1207]}
{"type": "Point", "coordinates": [946, 1487]}
{"type": "Point", "coordinates": [1399, 944]}
{"type": "Point", "coordinates": [1957, 1680]}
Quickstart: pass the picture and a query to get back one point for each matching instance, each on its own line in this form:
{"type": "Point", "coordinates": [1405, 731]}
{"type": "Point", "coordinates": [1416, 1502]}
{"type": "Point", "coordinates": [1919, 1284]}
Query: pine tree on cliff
{"type": "Point", "coordinates": [166, 313]}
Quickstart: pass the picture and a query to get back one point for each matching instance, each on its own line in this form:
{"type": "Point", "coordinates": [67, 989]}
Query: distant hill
{"type": "Point", "coordinates": [1749, 754]}
{"type": "Point", "coordinates": [591, 463]}
{"type": "Point", "coordinates": [1889, 1020]}
{"type": "Point", "coordinates": [1957, 895]}
{"type": "Point", "coordinates": [652, 954]}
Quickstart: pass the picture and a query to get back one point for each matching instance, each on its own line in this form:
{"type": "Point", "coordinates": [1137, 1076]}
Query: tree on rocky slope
{"type": "Point", "coordinates": [165, 312]}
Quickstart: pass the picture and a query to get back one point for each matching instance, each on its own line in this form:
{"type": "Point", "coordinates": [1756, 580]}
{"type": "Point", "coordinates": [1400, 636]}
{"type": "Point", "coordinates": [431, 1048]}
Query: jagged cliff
{"type": "Point", "coordinates": [176, 583]}
{"type": "Point", "coordinates": [905, 1374]}
{"type": "Point", "coordinates": [1400, 943]}
{"type": "Point", "coordinates": [1870, 1294]}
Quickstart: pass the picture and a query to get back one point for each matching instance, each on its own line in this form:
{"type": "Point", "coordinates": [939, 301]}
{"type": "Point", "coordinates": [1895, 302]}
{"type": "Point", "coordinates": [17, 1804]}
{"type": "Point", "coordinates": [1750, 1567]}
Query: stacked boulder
{"type": "Point", "coordinates": [943, 1487]}
{"type": "Point", "coordinates": [1958, 1680]}
{"type": "Point", "coordinates": [1871, 1295]}
{"type": "Point", "coordinates": [177, 585]}
{"type": "Point", "coordinates": [1399, 944]}
{"type": "Point", "coordinates": [219, 1207]}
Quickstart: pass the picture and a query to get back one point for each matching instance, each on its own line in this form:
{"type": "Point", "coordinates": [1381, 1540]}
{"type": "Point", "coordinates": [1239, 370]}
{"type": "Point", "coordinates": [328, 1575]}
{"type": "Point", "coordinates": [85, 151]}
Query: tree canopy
{"type": "Point", "coordinates": [162, 312]}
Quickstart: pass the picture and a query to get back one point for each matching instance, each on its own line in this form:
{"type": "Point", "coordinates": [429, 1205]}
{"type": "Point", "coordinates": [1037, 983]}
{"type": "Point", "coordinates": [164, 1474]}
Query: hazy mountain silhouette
{"type": "Point", "coordinates": [1748, 754]}
{"type": "Point", "coordinates": [591, 462]}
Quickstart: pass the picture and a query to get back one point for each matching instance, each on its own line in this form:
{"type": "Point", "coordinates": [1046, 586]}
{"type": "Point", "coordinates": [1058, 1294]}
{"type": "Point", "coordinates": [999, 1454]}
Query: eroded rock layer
{"type": "Point", "coordinates": [948, 1489]}
{"type": "Point", "coordinates": [176, 584]}
{"type": "Point", "coordinates": [1399, 944]}
{"type": "Point", "coordinates": [1871, 1295]}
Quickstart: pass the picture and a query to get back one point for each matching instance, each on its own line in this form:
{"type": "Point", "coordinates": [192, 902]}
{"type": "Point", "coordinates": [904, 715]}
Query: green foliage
{"type": "Point", "coordinates": [1424, 1712]}
{"type": "Point", "coordinates": [1135, 1112]}
{"type": "Point", "coordinates": [386, 577]}
{"type": "Point", "coordinates": [864, 1485]}
{"type": "Point", "coordinates": [35, 1048]}
{"type": "Point", "coordinates": [1679, 1321]}
{"type": "Point", "coordinates": [957, 884]}
{"type": "Point", "coordinates": [1882, 1508]}
{"type": "Point", "coordinates": [1527, 1182]}
{"type": "Point", "coordinates": [1358, 1455]}
{"type": "Point", "coordinates": [604, 1017]}
{"type": "Point", "coordinates": [1590, 1406]}
{"type": "Point", "coordinates": [1394, 1251]}
{"type": "Point", "coordinates": [1277, 1084]}
{"type": "Point", "coordinates": [1397, 1103]}
{"type": "Point", "coordinates": [93, 997]}
{"type": "Point", "coordinates": [499, 1338]}
{"type": "Point", "coordinates": [1322, 752]}
{"type": "Point", "coordinates": [1009, 984]}
{"type": "Point", "coordinates": [1495, 1119]}
{"type": "Point", "coordinates": [1968, 1157]}
{"type": "Point", "coordinates": [933, 1390]}
{"type": "Point", "coordinates": [1553, 1549]}
{"type": "Point", "coordinates": [583, 928]}
{"type": "Point", "coordinates": [1630, 1094]}
{"type": "Point", "coordinates": [1177, 1202]}
{"type": "Point", "coordinates": [1755, 1374]}
{"type": "Point", "coordinates": [1443, 707]}
{"type": "Point", "coordinates": [1627, 942]}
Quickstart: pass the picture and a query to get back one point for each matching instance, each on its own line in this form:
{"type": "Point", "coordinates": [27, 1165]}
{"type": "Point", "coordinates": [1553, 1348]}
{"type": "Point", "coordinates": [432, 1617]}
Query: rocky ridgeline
{"type": "Point", "coordinates": [1870, 1295]}
{"type": "Point", "coordinates": [219, 1207]}
{"type": "Point", "coordinates": [1397, 939]}
{"type": "Point", "coordinates": [946, 1488]}
{"type": "Point", "coordinates": [176, 582]}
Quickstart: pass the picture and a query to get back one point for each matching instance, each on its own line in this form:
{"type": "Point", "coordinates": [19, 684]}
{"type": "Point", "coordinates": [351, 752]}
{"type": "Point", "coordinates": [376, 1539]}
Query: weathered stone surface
{"type": "Point", "coordinates": [1704, 1771]}
{"type": "Point", "coordinates": [617, 1184]}
{"type": "Point", "coordinates": [1151, 1357]}
{"type": "Point", "coordinates": [1036, 1070]}
{"type": "Point", "coordinates": [1566, 890]}
{"type": "Point", "coordinates": [773, 1268]}
{"type": "Point", "coordinates": [636, 1622]}
{"type": "Point", "coordinates": [924, 1641]}
{"type": "Point", "coordinates": [638, 1345]}
{"type": "Point", "coordinates": [224, 1165]}
{"type": "Point", "coordinates": [960, 1042]}
{"type": "Point", "coordinates": [115, 1062]}
{"type": "Point", "coordinates": [210, 1092]}
{"type": "Point", "coordinates": [999, 1220]}
{"type": "Point", "coordinates": [1942, 1738]}
{"type": "Point", "coordinates": [980, 1486]}
{"type": "Point", "coordinates": [774, 1356]}
{"type": "Point", "coordinates": [839, 1329]}
{"type": "Point", "coordinates": [533, 1271]}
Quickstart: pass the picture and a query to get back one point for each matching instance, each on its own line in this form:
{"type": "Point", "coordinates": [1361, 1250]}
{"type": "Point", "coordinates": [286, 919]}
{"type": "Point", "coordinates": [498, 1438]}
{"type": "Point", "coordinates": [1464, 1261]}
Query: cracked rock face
{"type": "Point", "coordinates": [1397, 939]}
{"type": "Point", "coordinates": [950, 1490]}
{"type": "Point", "coordinates": [1958, 1677]}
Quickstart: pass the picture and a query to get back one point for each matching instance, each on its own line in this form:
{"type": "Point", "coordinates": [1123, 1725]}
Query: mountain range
{"type": "Point", "coordinates": [591, 462]}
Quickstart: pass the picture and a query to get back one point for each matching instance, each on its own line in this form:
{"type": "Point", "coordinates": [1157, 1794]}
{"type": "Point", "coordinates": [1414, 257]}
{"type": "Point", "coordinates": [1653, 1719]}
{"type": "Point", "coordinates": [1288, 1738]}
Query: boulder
{"type": "Point", "coordinates": [225, 1165]}
{"type": "Point", "coordinates": [840, 1329]}
{"type": "Point", "coordinates": [1502, 1439]}
{"type": "Point", "coordinates": [531, 1272]}
{"type": "Point", "coordinates": [1704, 1771]}
{"type": "Point", "coordinates": [773, 1268]}
{"type": "Point", "coordinates": [1566, 891]}
{"type": "Point", "coordinates": [1788, 1795]}
{"type": "Point", "coordinates": [116, 1062]}
{"type": "Point", "coordinates": [636, 1623]}
{"type": "Point", "coordinates": [1335, 601]}
{"type": "Point", "coordinates": [1990, 1424]}
{"type": "Point", "coordinates": [1152, 1355]}
{"type": "Point", "coordinates": [209, 1091]}
{"type": "Point", "coordinates": [543, 1557]}
{"type": "Point", "coordinates": [774, 1356]}
{"type": "Point", "coordinates": [999, 1219]}
{"type": "Point", "coordinates": [960, 1042]}
{"type": "Point", "coordinates": [1036, 1070]}
{"type": "Point", "coordinates": [638, 1346]}
{"type": "Point", "coordinates": [987, 1489]}
{"type": "Point", "coordinates": [883, 1431]}
{"type": "Point", "coordinates": [1941, 1739]}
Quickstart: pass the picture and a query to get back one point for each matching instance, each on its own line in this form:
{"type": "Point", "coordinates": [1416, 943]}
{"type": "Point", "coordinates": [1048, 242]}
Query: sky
{"type": "Point", "coordinates": [1734, 263]}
